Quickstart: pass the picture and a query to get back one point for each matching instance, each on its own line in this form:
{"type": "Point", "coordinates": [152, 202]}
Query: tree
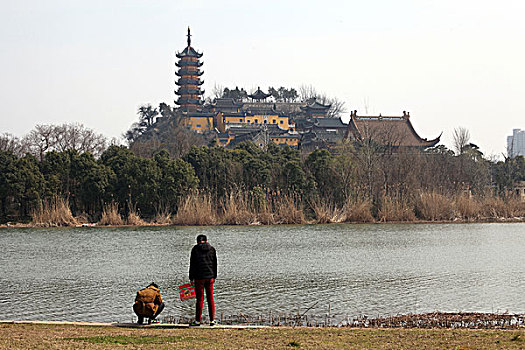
{"type": "Point", "coordinates": [177, 179]}
{"type": "Point", "coordinates": [320, 166]}
{"type": "Point", "coordinates": [47, 138]}
{"type": "Point", "coordinates": [168, 134]}
{"type": "Point", "coordinates": [136, 180]}
{"type": "Point", "coordinates": [147, 116]}
{"type": "Point", "coordinates": [11, 143]}
{"type": "Point", "coordinates": [337, 107]}
{"type": "Point", "coordinates": [236, 94]}
{"type": "Point", "coordinates": [461, 139]}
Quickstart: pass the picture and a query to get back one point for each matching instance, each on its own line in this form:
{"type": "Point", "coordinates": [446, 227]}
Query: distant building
{"type": "Point", "coordinates": [396, 132]}
{"type": "Point", "coordinates": [189, 81]}
{"type": "Point", "coordinates": [516, 143]}
{"type": "Point", "coordinates": [260, 118]}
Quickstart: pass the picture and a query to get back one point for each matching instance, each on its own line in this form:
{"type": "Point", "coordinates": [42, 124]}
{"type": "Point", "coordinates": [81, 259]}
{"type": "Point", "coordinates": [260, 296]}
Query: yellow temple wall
{"type": "Point", "coordinates": [199, 124]}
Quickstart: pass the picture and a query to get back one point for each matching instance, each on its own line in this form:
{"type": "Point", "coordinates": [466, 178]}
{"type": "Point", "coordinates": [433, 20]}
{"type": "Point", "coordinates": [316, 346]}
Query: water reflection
{"type": "Point", "coordinates": [92, 274]}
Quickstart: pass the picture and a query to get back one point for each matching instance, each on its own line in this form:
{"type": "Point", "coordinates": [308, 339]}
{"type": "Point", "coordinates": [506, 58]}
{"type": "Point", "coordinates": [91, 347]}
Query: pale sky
{"type": "Point", "coordinates": [450, 63]}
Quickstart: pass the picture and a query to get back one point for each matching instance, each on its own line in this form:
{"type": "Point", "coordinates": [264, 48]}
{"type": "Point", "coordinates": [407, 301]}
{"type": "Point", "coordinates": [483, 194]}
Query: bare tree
{"type": "Point", "coordinates": [337, 107]}
{"type": "Point", "coordinates": [11, 143]}
{"type": "Point", "coordinates": [461, 139]}
{"type": "Point", "coordinates": [171, 136]}
{"type": "Point", "coordinates": [307, 92]}
{"type": "Point", "coordinates": [46, 138]}
{"type": "Point", "coordinates": [40, 140]}
{"type": "Point", "coordinates": [217, 91]}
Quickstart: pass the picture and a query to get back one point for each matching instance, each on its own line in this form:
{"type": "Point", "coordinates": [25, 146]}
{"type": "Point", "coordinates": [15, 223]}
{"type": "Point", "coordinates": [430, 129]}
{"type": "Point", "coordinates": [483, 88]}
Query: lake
{"type": "Point", "coordinates": [92, 274]}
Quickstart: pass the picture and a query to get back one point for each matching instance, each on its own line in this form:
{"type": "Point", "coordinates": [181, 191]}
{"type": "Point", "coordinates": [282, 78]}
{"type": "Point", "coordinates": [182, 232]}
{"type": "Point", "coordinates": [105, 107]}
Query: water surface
{"type": "Point", "coordinates": [92, 274]}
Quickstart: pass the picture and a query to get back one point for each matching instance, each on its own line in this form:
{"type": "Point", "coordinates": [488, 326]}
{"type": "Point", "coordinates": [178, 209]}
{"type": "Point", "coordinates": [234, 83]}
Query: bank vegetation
{"type": "Point", "coordinates": [211, 185]}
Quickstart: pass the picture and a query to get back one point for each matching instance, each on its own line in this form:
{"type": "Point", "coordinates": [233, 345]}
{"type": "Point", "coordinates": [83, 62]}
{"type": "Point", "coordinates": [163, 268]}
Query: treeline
{"type": "Point", "coordinates": [213, 185]}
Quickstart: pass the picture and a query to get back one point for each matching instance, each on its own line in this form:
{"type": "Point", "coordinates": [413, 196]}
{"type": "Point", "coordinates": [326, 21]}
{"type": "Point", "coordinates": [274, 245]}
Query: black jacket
{"type": "Point", "coordinates": [203, 262]}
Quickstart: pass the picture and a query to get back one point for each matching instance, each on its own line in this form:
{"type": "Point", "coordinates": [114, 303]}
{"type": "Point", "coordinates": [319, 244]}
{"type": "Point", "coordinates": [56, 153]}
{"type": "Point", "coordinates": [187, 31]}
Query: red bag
{"type": "Point", "coordinates": [187, 291]}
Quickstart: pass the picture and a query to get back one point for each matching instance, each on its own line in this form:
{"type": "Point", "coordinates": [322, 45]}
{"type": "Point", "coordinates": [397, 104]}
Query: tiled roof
{"type": "Point", "coordinates": [394, 131]}
{"type": "Point", "coordinates": [259, 95]}
{"type": "Point", "coordinates": [189, 52]}
{"type": "Point", "coordinates": [329, 123]}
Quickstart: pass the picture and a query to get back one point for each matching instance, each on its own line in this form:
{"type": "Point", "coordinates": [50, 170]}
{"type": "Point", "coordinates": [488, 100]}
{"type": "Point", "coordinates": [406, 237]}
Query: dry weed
{"type": "Point", "coordinates": [54, 212]}
{"type": "Point", "coordinates": [395, 209]}
{"type": "Point", "coordinates": [358, 211]}
{"type": "Point", "coordinates": [196, 209]}
{"type": "Point", "coordinates": [111, 215]}
{"type": "Point", "coordinates": [434, 206]}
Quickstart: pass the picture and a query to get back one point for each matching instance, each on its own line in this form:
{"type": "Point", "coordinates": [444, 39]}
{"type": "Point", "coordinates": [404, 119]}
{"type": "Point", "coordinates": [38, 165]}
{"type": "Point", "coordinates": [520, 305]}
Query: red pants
{"type": "Point", "coordinates": [200, 285]}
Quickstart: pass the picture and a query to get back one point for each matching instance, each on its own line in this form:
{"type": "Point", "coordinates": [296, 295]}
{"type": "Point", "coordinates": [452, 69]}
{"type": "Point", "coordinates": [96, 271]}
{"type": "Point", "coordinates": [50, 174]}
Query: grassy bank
{"type": "Point", "coordinates": [245, 208]}
{"type": "Point", "coordinates": [20, 336]}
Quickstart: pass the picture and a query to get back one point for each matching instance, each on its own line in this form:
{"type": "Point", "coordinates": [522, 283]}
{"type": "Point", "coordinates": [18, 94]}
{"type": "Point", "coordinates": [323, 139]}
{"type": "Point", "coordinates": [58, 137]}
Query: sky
{"type": "Point", "coordinates": [450, 63]}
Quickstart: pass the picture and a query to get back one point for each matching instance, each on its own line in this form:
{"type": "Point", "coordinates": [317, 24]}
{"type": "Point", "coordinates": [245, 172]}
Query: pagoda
{"type": "Point", "coordinates": [259, 95]}
{"type": "Point", "coordinates": [189, 81]}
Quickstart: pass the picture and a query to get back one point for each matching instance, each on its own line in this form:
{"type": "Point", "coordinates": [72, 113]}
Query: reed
{"type": "Point", "coordinates": [326, 212]}
{"type": "Point", "coordinates": [111, 215]}
{"type": "Point", "coordinates": [358, 211]}
{"type": "Point", "coordinates": [53, 212]}
{"type": "Point", "coordinates": [237, 209]}
{"type": "Point", "coordinates": [163, 216]}
{"type": "Point", "coordinates": [196, 209]}
{"type": "Point", "coordinates": [395, 209]}
{"type": "Point", "coordinates": [288, 209]}
{"type": "Point", "coordinates": [468, 208]}
{"type": "Point", "coordinates": [503, 208]}
{"type": "Point", "coordinates": [134, 219]}
{"type": "Point", "coordinates": [433, 206]}
{"type": "Point", "coordinates": [265, 214]}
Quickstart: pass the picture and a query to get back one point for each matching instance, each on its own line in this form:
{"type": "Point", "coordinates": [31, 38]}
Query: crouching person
{"type": "Point", "coordinates": [148, 303]}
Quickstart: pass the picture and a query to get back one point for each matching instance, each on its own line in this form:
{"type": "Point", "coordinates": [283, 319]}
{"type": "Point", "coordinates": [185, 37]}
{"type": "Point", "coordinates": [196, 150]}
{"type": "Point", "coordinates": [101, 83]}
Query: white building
{"type": "Point", "coordinates": [516, 143]}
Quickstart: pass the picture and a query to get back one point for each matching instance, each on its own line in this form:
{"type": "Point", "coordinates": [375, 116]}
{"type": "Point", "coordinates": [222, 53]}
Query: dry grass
{"type": "Point", "coordinates": [54, 212]}
{"type": "Point", "coordinates": [265, 214]}
{"type": "Point", "coordinates": [434, 207]}
{"type": "Point", "coordinates": [196, 209]}
{"type": "Point", "coordinates": [237, 210]}
{"type": "Point", "coordinates": [468, 208]}
{"type": "Point", "coordinates": [288, 209]}
{"type": "Point", "coordinates": [134, 219]}
{"type": "Point", "coordinates": [358, 211]}
{"type": "Point", "coordinates": [496, 207]}
{"type": "Point", "coordinates": [111, 215]}
{"type": "Point", "coordinates": [20, 336]}
{"type": "Point", "coordinates": [163, 216]}
{"type": "Point", "coordinates": [326, 213]}
{"type": "Point", "coordinates": [395, 209]}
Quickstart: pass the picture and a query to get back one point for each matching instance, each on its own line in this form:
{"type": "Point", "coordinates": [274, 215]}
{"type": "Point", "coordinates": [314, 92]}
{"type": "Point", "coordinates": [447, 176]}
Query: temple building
{"type": "Point", "coordinates": [261, 118]}
{"type": "Point", "coordinates": [314, 109]}
{"type": "Point", "coordinates": [396, 132]}
{"type": "Point", "coordinates": [189, 81]}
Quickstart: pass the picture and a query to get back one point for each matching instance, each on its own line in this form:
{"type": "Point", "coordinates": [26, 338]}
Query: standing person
{"type": "Point", "coordinates": [203, 272]}
{"type": "Point", "coordinates": [148, 303]}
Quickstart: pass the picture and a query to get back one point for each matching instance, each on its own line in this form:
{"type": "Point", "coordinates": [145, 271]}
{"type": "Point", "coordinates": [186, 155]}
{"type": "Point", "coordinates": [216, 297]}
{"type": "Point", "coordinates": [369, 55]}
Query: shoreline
{"type": "Point", "coordinates": [429, 320]}
{"type": "Point", "coordinates": [56, 336]}
{"type": "Point", "coordinates": [96, 225]}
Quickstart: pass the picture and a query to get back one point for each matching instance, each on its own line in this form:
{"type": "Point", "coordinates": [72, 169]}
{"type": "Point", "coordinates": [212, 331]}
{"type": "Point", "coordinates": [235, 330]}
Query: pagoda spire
{"type": "Point", "coordinates": [189, 90]}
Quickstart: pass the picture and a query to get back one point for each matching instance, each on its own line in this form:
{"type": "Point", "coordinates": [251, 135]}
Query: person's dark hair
{"type": "Point", "coordinates": [154, 285]}
{"type": "Point", "coordinates": [202, 238]}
